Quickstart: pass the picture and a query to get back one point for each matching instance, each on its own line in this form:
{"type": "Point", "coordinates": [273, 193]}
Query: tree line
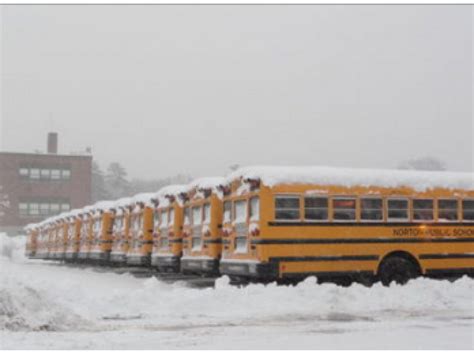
{"type": "Point", "coordinates": [114, 182]}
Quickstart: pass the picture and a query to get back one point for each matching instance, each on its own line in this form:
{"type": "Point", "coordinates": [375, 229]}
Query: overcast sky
{"type": "Point", "coordinates": [195, 89]}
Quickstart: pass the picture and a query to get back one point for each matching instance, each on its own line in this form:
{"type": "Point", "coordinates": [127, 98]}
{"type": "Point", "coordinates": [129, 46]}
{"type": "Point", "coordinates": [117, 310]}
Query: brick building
{"type": "Point", "coordinates": [40, 185]}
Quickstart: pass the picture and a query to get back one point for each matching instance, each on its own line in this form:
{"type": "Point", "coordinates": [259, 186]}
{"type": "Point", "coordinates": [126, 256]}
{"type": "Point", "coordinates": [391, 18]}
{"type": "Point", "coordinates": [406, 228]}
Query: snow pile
{"type": "Point", "coordinates": [103, 307]}
{"type": "Point", "coordinates": [23, 306]}
{"type": "Point", "coordinates": [319, 175]}
{"type": "Point", "coordinates": [12, 248]}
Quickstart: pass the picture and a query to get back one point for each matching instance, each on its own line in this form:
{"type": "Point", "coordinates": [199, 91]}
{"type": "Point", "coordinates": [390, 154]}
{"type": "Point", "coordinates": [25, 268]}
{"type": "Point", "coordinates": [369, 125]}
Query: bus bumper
{"type": "Point", "coordinates": [70, 255]}
{"type": "Point", "coordinates": [118, 258]}
{"type": "Point", "coordinates": [249, 269]}
{"type": "Point", "coordinates": [138, 260]}
{"type": "Point", "coordinates": [200, 266]}
{"type": "Point", "coordinates": [83, 255]}
{"type": "Point", "coordinates": [99, 255]}
{"type": "Point", "coordinates": [166, 263]}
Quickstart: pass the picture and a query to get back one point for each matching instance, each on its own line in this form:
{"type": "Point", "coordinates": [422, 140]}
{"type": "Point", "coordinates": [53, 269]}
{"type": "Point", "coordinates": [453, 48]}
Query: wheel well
{"type": "Point", "coordinates": [401, 254]}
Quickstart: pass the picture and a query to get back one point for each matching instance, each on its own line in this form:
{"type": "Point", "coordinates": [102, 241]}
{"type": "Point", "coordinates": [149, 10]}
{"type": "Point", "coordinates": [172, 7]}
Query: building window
{"type": "Point", "coordinates": [45, 174]}
{"type": "Point", "coordinates": [23, 208]}
{"type": "Point", "coordinates": [34, 209]}
{"type": "Point", "coordinates": [55, 174]}
{"type": "Point", "coordinates": [287, 207]}
{"type": "Point", "coordinates": [54, 207]}
{"type": "Point", "coordinates": [42, 208]}
{"type": "Point", "coordinates": [316, 208]}
{"type": "Point", "coordinates": [422, 209]}
{"type": "Point", "coordinates": [344, 208]}
{"type": "Point", "coordinates": [24, 172]}
{"type": "Point", "coordinates": [66, 174]}
{"type": "Point", "coordinates": [447, 210]}
{"type": "Point", "coordinates": [34, 174]}
{"type": "Point", "coordinates": [397, 209]}
{"type": "Point", "coordinates": [371, 209]}
{"type": "Point", "coordinates": [65, 207]}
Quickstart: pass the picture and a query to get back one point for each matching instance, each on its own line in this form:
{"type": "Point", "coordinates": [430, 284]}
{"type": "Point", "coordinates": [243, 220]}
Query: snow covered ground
{"type": "Point", "coordinates": [48, 306]}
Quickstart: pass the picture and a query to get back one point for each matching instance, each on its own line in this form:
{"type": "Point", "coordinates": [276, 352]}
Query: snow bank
{"type": "Point", "coordinates": [319, 175]}
{"type": "Point", "coordinates": [12, 248]}
{"type": "Point", "coordinates": [101, 306]}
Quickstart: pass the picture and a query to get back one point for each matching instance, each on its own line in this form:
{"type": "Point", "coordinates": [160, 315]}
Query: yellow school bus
{"type": "Point", "coordinates": [58, 240]}
{"type": "Point", "coordinates": [356, 224]}
{"type": "Point", "coordinates": [32, 231]}
{"type": "Point", "coordinates": [102, 224]}
{"type": "Point", "coordinates": [167, 229]}
{"type": "Point", "coordinates": [86, 233]}
{"type": "Point", "coordinates": [202, 226]}
{"type": "Point", "coordinates": [42, 244]}
{"type": "Point", "coordinates": [121, 228]}
{"type": "Point", "coordinates": [74, 235]}
{"type": "Point", "coordinates": [141, 231]}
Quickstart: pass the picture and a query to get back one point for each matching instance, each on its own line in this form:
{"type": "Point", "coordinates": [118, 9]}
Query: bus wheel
{"type": "Point", "coordinates": [398, 269]}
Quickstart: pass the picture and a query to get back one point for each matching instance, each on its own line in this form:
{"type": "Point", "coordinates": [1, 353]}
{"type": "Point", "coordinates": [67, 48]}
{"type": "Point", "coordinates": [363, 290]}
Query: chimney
{"type": "Point", "coordinates": [52, 143]}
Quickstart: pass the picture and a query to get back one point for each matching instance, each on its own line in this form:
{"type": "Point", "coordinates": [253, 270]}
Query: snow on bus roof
{"type": "Point", "coordinates": [207, 183]}
{"type": "Point", "coordinates": [170, 190]}
{"type": "Point", "coordinates": [143, 197]}
{"type": "Point", "coordinates": [104, 205]}
{"type": "Point", "coordinates": [123, 202]}
{"type": "Point", "coordinates": [322, 175]}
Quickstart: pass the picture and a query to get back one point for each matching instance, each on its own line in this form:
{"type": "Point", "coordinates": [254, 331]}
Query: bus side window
{"type": "Point", "coordinates": [371, 209]}
{"type": "Point", "coordinates": [344, 208]}
{"type": "Point", "coordinates": [316, 208]}
{"type": "Point", "coordinates": [447, 210]}
{"type": "Point", "coordinates": [397, 208]}
{"type": "Point", "coordinates": [227, 211]}
{"type": "Point", "coordinates": [422, 209]}
{"type": "Point", "coordinates": [187, 216]}
{"type": "Point", "coordinates": [287, 207]}
{"type": "Point", "coordinates": [468, 210]}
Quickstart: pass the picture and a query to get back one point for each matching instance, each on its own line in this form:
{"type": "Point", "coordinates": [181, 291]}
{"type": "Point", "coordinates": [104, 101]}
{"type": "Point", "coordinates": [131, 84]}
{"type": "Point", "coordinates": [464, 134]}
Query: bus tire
{"type": "Point", "coordinates": [397, 269]}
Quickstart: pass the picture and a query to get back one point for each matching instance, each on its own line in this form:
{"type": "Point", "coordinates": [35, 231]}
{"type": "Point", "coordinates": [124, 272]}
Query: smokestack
{"type": "Point", "coordinates": [52, 143]}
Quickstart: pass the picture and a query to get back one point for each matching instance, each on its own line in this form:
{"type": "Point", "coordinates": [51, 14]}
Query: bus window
{"type": "Point", "coordinates": [187, 216]}
{"type": "Point", "coordinates": [197, 218]}
{"type": "Point", "coordinates": [164, 218]}
{"type": "Point", "coordinates": [254, 209]}
{"type": "Point", "coordinates": [468, 210]}
{"type": "Point", "coordinates": [171, 217]}
{"type": "Point", "coordinates": [118, 223]}
{"type": "Point", "coordinates": [316, 208]}
{"type": "Point", "coordinates": [397, 209]}
{"type": "Point", "coordinates": [447, 210]}
{"type": "Point", "coordinates": [287, 207]}
{"type": "Point", "coordinates": [97, 225]}
{"type": "Point", "coordinates": [422, 209]}
{"type": "Point", "coordinates": [240, 211]}
{"type": "Point", "coordinates": [156, 218]}
{"type": "Point", "coordinates": [371, 209]}
{"type": "Point", "coordinates": [227, 211]}
{"type": "Point", "coordinates": [207, 213]}
{"type": "Point", "coordinates": [344, 208]}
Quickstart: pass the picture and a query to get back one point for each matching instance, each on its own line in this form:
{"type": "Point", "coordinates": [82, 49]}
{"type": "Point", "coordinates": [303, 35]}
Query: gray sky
{"type": "Point", "coordinates": [194, 89]}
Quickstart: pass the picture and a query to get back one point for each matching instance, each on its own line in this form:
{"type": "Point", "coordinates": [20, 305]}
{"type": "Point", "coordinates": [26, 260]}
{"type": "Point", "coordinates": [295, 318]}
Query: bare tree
{"type": "Point", "coordinates": [116, 181]}
{"type": "Point", "coordinates": [425, 163]}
